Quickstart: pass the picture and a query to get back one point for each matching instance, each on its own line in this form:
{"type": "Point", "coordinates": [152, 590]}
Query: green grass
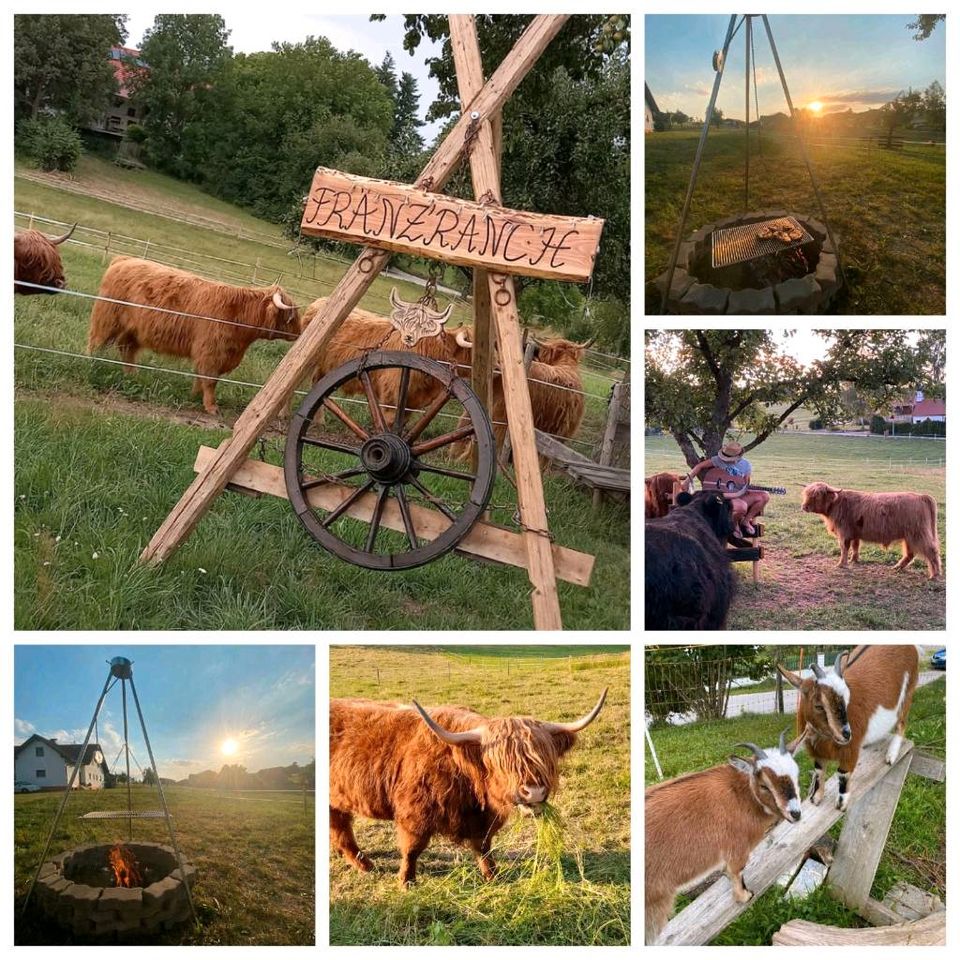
{"type": "Point", "coordinates": [255, 861]}
{"type": "Point", "coordinates": [915, 851]}
{"type": "Point", "coordinates": [558, 883]}
{"type": "Point", "coordinates": [102, 457]}
{"type": "Point", "coordinates": [800, 586]}
{"type": "Point", "coordinates": [887, 209]}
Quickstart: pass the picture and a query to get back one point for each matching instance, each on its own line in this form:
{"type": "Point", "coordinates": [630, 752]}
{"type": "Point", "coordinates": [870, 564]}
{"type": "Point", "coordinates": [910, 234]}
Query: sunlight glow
{"type": "Point", "coordinates": [815, 107]}
{"type": "Point", "coordinates": [229, 747]}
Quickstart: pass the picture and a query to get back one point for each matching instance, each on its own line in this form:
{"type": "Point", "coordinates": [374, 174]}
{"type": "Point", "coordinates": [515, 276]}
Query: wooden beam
{"type": "Point", "coordinates": [485, 541]}
{"type": "Point", "coordinates": [533, 510]}
{"type": "Point", "coordinates": [609, 433]}
{"type": "Point", "coordinates": [529, 352]}
{"type": "Point", "coordinates": [398, 217]}
{"type": "Point", "coordinates": [302, 355]}
{"type": "Point", "coordinates": [923, 765]}
{"type": "Point", "coordinates": [930, 931]}
{"type": "Point", "coordinates": [782, 848]}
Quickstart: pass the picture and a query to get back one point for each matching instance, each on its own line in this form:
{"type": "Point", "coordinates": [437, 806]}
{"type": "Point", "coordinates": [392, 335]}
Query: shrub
{"type": "Point", "coordinates": [878, 424]}
{"type": "Point", "coordinates": [51, 141]}
{"type": "Point", "coordinates": [135, 133]}
{"type": "Point", "coordinates": [815, 424]}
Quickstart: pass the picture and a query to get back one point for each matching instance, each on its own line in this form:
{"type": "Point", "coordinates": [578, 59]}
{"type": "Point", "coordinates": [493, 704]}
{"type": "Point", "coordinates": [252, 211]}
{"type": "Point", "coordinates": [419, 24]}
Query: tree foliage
{"type": "Point", "coordinates": [703, 384]}
{"type": "Point", "coordinates": [925, 24]}
{"type": "Point", "coordinates": [61, 63]}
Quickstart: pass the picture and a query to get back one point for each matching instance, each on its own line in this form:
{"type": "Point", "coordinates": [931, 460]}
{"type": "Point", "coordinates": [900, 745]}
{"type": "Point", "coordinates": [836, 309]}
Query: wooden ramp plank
{"type": "Point", "coordinates": [485, 540]}
{"type": "Point", "coordinates": [930, 931]}
{"type": "Point", "coordinates": [782, 847]}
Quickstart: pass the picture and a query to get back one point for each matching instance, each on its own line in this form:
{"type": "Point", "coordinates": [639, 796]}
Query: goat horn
{"type": "Point", "coordinates": [448, 736]}
{"type": "Point", "coordinates": [279, 304]}
{"type": "Point", "coordinates": [462, 340]}
{"type": "Point", "coordinates": [783, 740]}
{"type": "Point", "coordinates": [760, 754]}
{"type": "Point", "coordinates": [66, 236]}
{"type": "Point", "coordinates": [817, 670]}
{"type": "Point", "coordinates": [578, 725]}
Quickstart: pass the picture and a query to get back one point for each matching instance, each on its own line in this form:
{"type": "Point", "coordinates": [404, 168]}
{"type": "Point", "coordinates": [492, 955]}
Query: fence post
{"type": "Point", "coordinates": [378, 675]}
{"type": "Point", "coordinates": [653, 752]}
{"type": "Point", "coordinates": [779, 693]}
{"type": "Point", "coordinates": [106, 249]}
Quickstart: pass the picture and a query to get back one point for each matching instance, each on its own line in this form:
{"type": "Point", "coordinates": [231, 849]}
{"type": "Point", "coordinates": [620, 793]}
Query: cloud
{"type": "Point", "coordinates": [23, 730]}
{"type": "Point", "coordinates": [859, 96]}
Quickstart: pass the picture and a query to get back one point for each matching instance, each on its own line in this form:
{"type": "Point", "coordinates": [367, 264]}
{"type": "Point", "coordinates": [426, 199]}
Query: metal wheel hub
{"type": "Point", "coordinates": [386, 457]}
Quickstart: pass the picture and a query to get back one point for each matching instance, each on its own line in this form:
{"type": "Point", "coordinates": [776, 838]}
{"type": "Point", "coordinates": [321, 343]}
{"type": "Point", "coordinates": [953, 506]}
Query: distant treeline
{"type": "Point", "coordinates": [235, 776]}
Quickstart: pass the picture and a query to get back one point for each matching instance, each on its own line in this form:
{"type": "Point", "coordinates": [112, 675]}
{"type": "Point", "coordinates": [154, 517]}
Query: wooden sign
{"type": "Point", "coordinates": [394, 216]}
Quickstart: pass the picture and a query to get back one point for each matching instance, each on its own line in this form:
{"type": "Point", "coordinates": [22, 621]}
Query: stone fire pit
{"type": "Point", "coordinates": [76, 890]}
{"type": "Point", "coordinates": [697, 288]}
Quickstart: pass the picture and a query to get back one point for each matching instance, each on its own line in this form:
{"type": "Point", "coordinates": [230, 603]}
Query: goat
{"type": "Point", "coordinates": [702, 821]}
{"type": "Point", "coordinates": [858, 703]}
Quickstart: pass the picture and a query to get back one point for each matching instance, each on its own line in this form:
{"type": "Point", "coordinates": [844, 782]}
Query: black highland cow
{"type": "Point", "coordinates": [689, 580]}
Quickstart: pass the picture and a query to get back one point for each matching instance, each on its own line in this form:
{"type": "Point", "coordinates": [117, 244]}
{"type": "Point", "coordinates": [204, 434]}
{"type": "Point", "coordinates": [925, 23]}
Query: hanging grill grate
{"type": "Point", "coordinates": [733, 245]}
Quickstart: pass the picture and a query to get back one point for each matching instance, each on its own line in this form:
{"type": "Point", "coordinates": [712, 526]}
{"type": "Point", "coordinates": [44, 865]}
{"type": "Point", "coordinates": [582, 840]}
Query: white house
{"type": "Point", "coordinates": [650, 110]}
{"type": "Point", "coordinates": [50, 764]}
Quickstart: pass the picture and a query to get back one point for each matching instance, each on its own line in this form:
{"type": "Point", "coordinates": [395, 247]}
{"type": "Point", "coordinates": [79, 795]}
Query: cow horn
{"type": "Point", "coordinates": [817, 670]}
{"type": "Point", "coordinates": [578, 725]}
{"type": "Point", "coordinates": [448, 736]}
{"type": "Point", "coordinates": [395, 300]}
{"type": "Point", "coordinates": [445, 316]}
{"type": "Point", "coordinates": [66, 236]}
{"type": "Point", "coordinates": [758, 753]}
{"type": "Point", "coordinates": [590, 342]}
{"type": "Point", "coordinates": [279, 304]}
{"type": "Point", "coordinates": [462, 340]}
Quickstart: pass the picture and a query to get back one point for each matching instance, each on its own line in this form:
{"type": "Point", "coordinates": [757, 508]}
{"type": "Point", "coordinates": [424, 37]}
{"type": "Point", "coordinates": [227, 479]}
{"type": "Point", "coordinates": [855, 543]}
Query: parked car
{"type": "Point", "coordinates": [939, 660]}
{"type": "Point", "coordinates": [22, 786]}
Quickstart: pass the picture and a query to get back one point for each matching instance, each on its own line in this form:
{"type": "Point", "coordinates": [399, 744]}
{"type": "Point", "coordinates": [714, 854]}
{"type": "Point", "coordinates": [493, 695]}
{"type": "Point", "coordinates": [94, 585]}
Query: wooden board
{"type": "Point", "coordinates": [485, 540]}
{"type": "Point", "coordinates": [405, 219]}
{"type": "Point", "coordinates": [930, 931]}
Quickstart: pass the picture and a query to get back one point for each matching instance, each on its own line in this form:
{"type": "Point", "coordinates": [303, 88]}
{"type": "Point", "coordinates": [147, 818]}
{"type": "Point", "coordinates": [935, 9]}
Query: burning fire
{"type": "Point", "coordinates": [126, 870]}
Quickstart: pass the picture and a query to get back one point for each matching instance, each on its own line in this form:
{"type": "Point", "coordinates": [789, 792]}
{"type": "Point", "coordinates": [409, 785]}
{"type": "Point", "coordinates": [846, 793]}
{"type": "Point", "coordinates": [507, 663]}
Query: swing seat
{"type": "Point", "coordinates": [123, 815]}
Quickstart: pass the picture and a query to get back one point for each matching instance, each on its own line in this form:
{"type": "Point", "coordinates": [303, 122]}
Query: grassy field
{"type": "Point", "coordinates": [584, 901]}
{"type": "Point", "coordinates": [255, 860]}
{"type": "Point", "coordinates": [800, 586]}
{"type": "Point", "coordinates": [916, 847]}
{"type": "Point", "coordinates": [101, 457]}
{"type": "Point", "coordinates": [887, 209]}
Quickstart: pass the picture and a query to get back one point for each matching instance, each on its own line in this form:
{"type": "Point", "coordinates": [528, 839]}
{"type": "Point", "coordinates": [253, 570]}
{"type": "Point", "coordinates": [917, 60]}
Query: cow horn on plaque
{"type": "Point", "coordinates": [414, 321]}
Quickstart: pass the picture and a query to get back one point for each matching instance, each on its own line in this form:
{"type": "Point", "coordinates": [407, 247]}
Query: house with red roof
{"type": "Point", "coordinates": [122, 112]}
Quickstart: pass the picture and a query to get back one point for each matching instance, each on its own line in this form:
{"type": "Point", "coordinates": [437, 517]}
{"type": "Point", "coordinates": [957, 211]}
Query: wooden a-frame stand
{"type": "Point", "coordinates": [474, 132]}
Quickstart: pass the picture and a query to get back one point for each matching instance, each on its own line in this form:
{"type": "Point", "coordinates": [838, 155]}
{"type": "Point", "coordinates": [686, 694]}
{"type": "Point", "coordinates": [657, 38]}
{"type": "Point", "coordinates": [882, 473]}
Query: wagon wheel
{"type": "Point", "coordinates": [394, 465]}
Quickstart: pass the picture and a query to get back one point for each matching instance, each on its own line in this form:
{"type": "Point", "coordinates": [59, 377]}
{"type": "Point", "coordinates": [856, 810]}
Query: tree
{"type": "Point", "coordinates": [387, 74]}
{"type": "Point", "coordinates": [61, 63]}
{"type": "Point", "coordinates": [900, 111]}
{"type": "Point", "coordinates": [149, 777]}
{"type": "Point", "coordinates": [925, 24]}
{"type": "Point", "coordinates": [700, 384]}
{"type": "Point", "coordinates": [406, 122]}
{"type": "Point", "coordinates": [935, 105]}
{"type": "Point", "coordinates": [184, 54]}
{"type": "Point", "coordinates": [717, 118]}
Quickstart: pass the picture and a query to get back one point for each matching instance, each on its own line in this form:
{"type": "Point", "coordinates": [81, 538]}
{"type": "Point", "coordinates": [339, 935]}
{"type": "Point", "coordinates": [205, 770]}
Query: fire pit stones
{"type": "Point", "coordinates": [811, 293]}
{"type": "Point", "coordinates": [103, 911]}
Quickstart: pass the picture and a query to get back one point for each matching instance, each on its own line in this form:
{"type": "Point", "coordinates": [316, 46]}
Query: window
{"type": "Point", "coordinates": [131, 111]}
{"type": "Point", "coordinates": [39, 751]}
{"type": "Point", "coordinates": [41, 774]}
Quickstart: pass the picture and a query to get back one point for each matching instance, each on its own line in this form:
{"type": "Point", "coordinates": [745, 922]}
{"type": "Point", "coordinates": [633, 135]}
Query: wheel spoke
{"type": "Point", "coordinates": [401, 413]}
{"type": "Point", "coordinates": [378, 420]}
{"type": "Point", "coordinates": [345, 418]}
{"type": "Point", "coordinates": [438, 503]}
{"type": "Point", "coordinates": [375, 519]}
{"type": "Point", "coordinates": [407, 518]}
{"type": "Point", "coordinates": [331, 445]}
{"type": "Point", "coordinates": [442, 441]}
{"type": "Point", "coordinates": [444, 471]}
{"type": "Point", "coordinates": [320, 481]}
{"type": "Point", "coordinates": [345, 505]}
{"type": "Point", "coordinates": [428, 415]}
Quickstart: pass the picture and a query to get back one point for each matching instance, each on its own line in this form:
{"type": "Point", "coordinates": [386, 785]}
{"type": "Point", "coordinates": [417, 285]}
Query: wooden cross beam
{"type": "Point", "coordinates": [485, 101]}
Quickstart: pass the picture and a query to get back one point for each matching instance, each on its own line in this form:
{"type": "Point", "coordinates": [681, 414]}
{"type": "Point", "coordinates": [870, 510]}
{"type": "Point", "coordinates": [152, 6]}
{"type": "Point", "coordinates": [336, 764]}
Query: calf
{"type": "Point", "coordinates": [658, 493]}
{"type": "Point", "coordinates": [689, 580]}
{"type": "Point", "coordinates": [866, 696]}
{"type": "Point", "coordinates": [36, 259]}
{"type": "Point", "coordinates": [885, 518]}
{"type": "Point", "coordinates": [713, 819]}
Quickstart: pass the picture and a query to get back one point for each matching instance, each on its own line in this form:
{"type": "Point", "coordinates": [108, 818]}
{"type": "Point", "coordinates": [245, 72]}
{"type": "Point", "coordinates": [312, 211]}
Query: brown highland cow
{"type": "Point", "coordinates": [884, 518]}
{"type": "Point", "coordinates": [657, 492]}
{"type": "Point", "coordinates": [36, 259]}
{"type": "Point", "coordinates": [253, 313]}
{"type": "Point", "coordinates": [446, 771]}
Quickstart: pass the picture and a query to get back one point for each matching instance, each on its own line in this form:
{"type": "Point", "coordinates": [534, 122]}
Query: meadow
{"type": "Point", "coordinates": [800, 586]}
{"type": "Point", "coordinates": [254, 855]}
{"type": "Point", "coordinates": [581, 898]}
{"type": "Point", "coordinates": [887, 208]}
{"type": "Point", "coordinates": [102, 456]}
{"type": "Point", "coordinates": [915, 851]}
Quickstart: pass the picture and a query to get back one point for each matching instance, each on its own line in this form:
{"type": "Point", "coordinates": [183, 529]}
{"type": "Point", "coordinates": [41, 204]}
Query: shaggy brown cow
{"type": "Point", "coordinates": [36, 259]}
{"type": "Point", "coordinates": [252, 313]}
{"type": "Point", "coordinates": [885, 518]}
{"type": "Point", "coordinates": [446, 771]}
{"type": "Point", "coordinates": [657, 493]}
{"type": "Point", "coordinates": [362, 331]}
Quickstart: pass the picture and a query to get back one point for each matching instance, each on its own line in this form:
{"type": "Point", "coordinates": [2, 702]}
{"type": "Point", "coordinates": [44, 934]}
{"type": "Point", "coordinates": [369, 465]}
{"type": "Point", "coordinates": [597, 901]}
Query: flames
{"type": "Point", "coordinates": [126, 870]}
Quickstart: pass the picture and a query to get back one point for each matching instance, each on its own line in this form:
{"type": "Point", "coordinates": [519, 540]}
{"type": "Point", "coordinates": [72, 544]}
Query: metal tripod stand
{"type": "Point", "coordinates": [719, 62]}
{"type": "Point", "coordinates": [121, 670]}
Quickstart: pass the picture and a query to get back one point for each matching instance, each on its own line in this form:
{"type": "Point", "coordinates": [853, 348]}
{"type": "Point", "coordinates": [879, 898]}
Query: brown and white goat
{"type": "Point", "coordinates": [866, 696]}
{"type": "Point", "coordinates": [700, 822]}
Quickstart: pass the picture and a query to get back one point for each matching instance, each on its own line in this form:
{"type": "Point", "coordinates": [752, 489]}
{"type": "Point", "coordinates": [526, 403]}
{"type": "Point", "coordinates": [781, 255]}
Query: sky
{"type": "Point", "coordinates": [193, 699]}
{"type": "Point", "coordinates": [858, 61]}
{"type": "Point", "coordinates": [256, 29]}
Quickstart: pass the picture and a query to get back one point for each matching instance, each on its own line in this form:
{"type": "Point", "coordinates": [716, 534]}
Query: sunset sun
{"type": "Point", "coordinates": [815, 107]}
{"type": "Point", "coordinates": [229, 747]}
